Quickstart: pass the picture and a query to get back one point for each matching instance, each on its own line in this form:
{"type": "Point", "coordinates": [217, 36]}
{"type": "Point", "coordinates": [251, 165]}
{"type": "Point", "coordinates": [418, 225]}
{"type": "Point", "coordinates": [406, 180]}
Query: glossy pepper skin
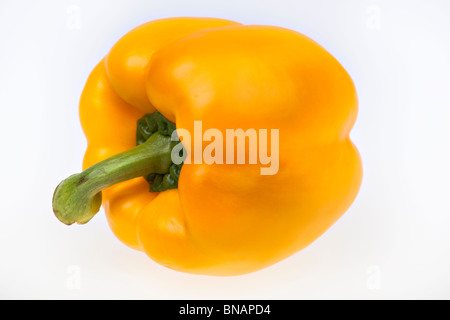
{"type": "Point", "coordinates": [226, 219]}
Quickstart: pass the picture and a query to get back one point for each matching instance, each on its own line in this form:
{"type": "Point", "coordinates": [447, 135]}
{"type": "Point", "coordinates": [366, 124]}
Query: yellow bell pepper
{"type": "Point", "coordinates": [215, 219]}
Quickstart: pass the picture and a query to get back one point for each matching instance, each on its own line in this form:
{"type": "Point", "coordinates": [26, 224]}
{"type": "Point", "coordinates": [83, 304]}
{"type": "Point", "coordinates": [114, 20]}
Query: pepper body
{"type": "Point", "coordinates": [226, 219]}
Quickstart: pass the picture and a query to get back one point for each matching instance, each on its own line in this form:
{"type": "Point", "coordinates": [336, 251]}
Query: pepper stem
{"type": "Point", "coordinates": [78, 198]}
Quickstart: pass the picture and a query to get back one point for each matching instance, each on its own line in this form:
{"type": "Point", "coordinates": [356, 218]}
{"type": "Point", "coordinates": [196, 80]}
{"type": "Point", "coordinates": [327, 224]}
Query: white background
{"type": "Point", "coordinates": [394, 242]}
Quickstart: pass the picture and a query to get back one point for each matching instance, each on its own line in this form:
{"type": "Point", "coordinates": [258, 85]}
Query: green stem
{"type": "Point", "coordinates": [78, 198]}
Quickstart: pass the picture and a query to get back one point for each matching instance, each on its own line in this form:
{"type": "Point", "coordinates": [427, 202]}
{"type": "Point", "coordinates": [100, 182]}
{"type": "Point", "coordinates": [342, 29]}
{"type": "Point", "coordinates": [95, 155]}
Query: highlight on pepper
{"type": "Point", "coordinates": [214, 147]}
